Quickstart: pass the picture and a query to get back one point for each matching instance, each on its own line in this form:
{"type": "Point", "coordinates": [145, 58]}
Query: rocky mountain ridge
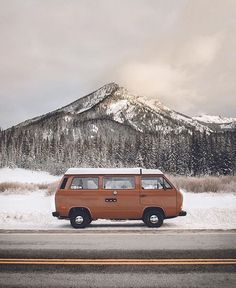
{"type": "Point", "coordinates": [112, 128]}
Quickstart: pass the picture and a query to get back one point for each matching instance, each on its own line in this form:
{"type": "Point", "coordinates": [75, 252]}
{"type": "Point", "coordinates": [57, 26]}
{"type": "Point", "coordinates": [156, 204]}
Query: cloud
{"type": "Point", "coordinates": [200, 50]}
{"type": "Point", "coordinates": [160, 81]}
{"type": "Point", "coordinates": [152, 79]}
{"type": "Point", "coordinates": [55, 51]}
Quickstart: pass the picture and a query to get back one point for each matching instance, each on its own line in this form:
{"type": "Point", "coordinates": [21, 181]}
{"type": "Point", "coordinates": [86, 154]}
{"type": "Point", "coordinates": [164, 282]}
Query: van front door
{"type": "Point", "coordinates": [157, 192]}
{"type": "Point", "coordinates": [121, 197]}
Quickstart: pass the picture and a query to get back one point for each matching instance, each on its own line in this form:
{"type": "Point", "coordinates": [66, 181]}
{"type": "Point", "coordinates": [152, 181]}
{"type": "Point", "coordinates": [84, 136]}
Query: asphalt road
{"type": "Point", "coordinates": [118, 259]}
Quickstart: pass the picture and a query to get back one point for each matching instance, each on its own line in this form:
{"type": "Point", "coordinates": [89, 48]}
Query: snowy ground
{"type": "Point", "coordinates": [33, 210]}
{"type": "Point", "coordinates": [26, 176]}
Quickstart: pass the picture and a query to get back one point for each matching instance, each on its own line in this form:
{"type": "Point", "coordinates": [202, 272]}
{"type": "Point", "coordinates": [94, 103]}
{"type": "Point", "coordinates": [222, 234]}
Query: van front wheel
{"type": "Point", "coordinates": [153, 218]}
{"type": "Point", "coordinates": [80, 219]}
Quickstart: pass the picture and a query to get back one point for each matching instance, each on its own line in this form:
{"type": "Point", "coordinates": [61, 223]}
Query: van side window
{"type": "Point", "coordinates": [63, 184]}
{"type": "Point", "coordinates": [84, 183]}
{"type": "Point", "coordinates": [155, 183]}
{"type": "Point", "coordinates": [118, 183]}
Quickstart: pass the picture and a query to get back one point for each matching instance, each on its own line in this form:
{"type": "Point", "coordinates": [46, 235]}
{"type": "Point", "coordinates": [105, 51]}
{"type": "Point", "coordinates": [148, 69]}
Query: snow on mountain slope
{"type": "Point", "coordinates": [143, 114]}
{"type": "Point", "coordinates": [78, 106]}
{"type": "Point", "coordinates": [214, 119]}
{"type": "Point", "coordinates": [138, 112]}
{"type": "Point", "coordinates": [87, 102]}
{"type": "Point", "coordinates": [124, 107]}
{"type": "Point", "coordinates": [223, 123]}
{"type": "Point", "coordinates": [110, 128]}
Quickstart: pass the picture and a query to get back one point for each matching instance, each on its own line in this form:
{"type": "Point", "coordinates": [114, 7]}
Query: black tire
{"type": "Point", "coordinates": [153, 218]}
{"type": "Point", "coordinates": [80, 219]}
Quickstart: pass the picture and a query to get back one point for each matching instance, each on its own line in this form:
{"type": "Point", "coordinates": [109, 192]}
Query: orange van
{"type": "Point", "coordinates": [87, 194]}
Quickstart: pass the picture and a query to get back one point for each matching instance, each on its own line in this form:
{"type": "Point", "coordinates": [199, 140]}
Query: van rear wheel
{"type": "Point", "coordinates": [153, 218]}
{"type": "Point", "coordinates": [80, 219]}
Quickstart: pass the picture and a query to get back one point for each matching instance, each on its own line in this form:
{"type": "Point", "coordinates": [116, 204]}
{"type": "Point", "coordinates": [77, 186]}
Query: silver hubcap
{"type": "Point", "coordinates": [154, 219]}
{"type": "Point", "coordinates": [79, 219]}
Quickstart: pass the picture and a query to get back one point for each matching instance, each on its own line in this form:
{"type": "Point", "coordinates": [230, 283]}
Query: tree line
{"type": "Point", "coordinates": [105, 143]}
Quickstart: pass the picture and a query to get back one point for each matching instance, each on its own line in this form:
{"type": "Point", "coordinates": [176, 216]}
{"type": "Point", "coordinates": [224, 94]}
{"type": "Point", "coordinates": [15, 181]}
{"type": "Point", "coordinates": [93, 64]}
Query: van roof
{"type": "Point", "coordinates": [118, 171]}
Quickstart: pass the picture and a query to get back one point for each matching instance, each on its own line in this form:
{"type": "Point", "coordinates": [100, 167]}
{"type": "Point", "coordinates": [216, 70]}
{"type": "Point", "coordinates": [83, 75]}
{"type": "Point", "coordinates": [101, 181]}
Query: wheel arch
{"type": "Point", "coordinates": [74, 209]}
{"type": "Point", "coordinates": [156, 208]}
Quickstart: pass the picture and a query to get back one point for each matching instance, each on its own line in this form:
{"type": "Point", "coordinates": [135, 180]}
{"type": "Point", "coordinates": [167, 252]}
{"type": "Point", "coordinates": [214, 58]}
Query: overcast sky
{"type": "Point", "coordinates": [55, 51]}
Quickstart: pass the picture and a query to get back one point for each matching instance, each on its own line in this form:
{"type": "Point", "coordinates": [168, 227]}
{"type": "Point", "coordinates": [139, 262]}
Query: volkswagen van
{"type": "Point", "coordinates": [88, 194]}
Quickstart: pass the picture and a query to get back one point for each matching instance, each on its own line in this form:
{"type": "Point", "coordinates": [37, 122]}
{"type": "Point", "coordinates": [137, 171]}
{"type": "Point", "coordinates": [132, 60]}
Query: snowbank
{"type": "Point", "coordinates": [26, 176]}
{"type": "Point", "coordinates": [33, 211]}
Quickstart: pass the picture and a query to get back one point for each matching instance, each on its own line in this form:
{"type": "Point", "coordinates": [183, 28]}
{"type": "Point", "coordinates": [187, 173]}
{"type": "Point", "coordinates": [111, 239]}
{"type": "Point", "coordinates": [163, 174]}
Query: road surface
{"type": "Point", "coordinates": [77, 258]}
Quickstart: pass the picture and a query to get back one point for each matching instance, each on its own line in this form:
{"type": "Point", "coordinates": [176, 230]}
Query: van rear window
{"type": "Point", "coordinates": [118, 183]}
{"type": "Point", "coordinates": [63, 184]}
{"type": "Point", "coordinates": [84, 183]}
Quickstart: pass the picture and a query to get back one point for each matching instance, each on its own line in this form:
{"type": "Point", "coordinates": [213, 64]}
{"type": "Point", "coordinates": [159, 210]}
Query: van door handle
{"type": "Point", "coordinates": [110, 200]}
{"type": "Point", "coordinates": [143, 195]}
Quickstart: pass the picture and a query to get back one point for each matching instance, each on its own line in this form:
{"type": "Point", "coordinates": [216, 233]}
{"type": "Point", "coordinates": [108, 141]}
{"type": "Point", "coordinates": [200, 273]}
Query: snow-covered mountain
{"type": "Point", "coordinates": [123, 107]}
{"type": "Point", "coordinates": [217, 122]}
{"type": "Point", "coordinates": [112, 127]}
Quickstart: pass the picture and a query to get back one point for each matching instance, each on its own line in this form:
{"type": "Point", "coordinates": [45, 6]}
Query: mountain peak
{"type": "Point", "coordinates": [85, 103]}
{"type": "Point", "coordinates": [111, 85]}
{"type": "Point", "coordinates": [81, 104]}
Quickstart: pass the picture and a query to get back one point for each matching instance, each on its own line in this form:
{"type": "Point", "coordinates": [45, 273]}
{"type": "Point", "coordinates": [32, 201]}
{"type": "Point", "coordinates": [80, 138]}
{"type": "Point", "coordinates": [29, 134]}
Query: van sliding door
{"type": "Point", "coordinates": [121, 196]}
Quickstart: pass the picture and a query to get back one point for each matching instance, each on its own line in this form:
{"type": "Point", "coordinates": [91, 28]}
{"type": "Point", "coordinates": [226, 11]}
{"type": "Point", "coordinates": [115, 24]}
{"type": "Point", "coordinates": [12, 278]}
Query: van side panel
{"type": "Point", "coordinates": [102, 203]}
{"type": "Point", "coordinates": [116, 203]}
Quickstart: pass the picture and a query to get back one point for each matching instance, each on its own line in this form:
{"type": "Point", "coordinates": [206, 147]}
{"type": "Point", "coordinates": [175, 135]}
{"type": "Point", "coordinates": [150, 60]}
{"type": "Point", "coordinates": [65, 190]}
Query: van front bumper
{"type": "Point", "coordinates": [182, 213]}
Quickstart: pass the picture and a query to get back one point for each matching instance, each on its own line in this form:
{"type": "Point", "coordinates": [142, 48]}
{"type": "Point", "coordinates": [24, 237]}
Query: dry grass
{"type": "Point", "coordinates": [205, 184]}
{"type": "Point", "coordinates": [16, 186]}
{"type": "Point", "coordinates": [52, 187]}
{"type": "Point", "coordinates": [190, 184]}
{"type": "Point", "coordinates": [19, 188]}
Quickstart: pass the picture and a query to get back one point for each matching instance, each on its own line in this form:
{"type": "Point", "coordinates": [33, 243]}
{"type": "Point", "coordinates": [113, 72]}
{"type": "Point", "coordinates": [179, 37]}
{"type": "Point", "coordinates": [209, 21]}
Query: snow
{"type": "Point", "coordinates": [67, 118]}
{"type": "Point", "coordinates": [33, 211]}
{"type": "Point", "coordinates": [94, 128]}
{"type": "Point", "coordinates": [116, 107]}
{"type": "Point", "coordinates": [127, 105]}
{"type": "Point", "coordinates": [208, 211]}
{"type": "Point", "coordinates": [26, 176]}
{"type": "Point", "coordinates": [87, 102]}
{"type": "Point", "coordinates": [214, 119]}
{"type": "Point", "coordinates": [153, 103]}
{"type": "Point", "coordinates": [84, 104]}
{"type": "Point", "coordinates": [190, 121]}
